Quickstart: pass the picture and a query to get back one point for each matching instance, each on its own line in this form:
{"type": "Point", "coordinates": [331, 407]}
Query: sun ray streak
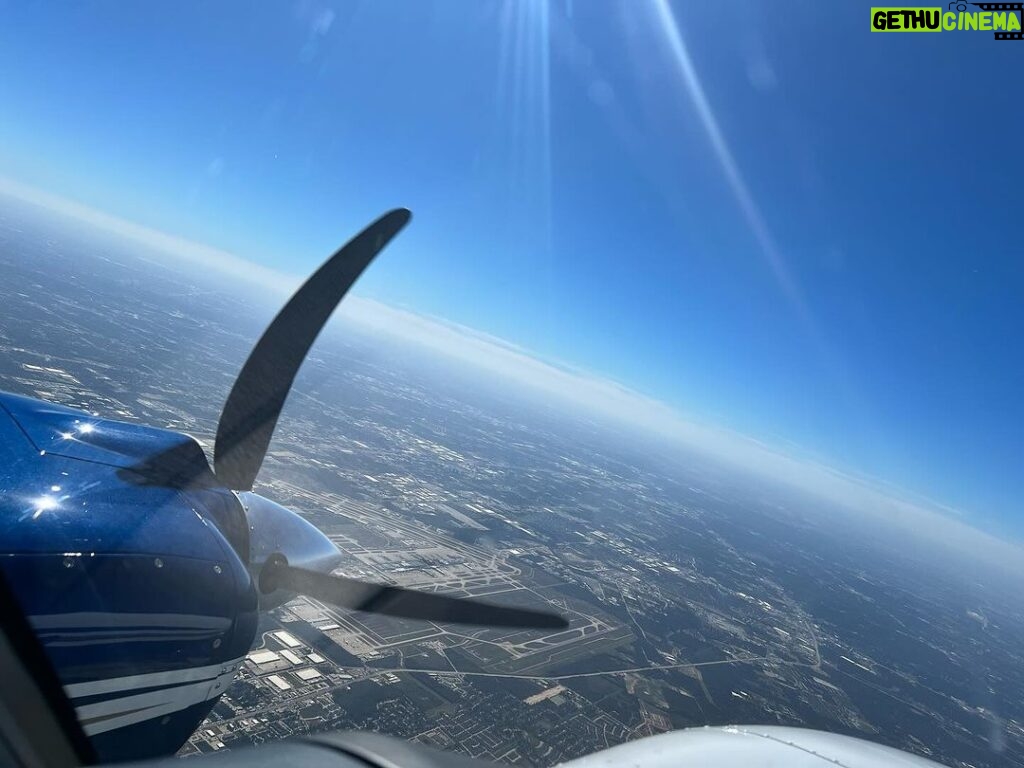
{"type": "Point", "coordinates": [734, 177]}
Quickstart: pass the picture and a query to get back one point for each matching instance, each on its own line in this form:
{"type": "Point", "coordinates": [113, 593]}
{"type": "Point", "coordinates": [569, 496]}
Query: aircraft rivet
{"type": "Point", "coordinates": [158, 563]}
{"type": "Point", "coordinates": [216, 643]}
{"type": "Point", "coordinates": [217, 569]}
{"type": "Point", "coordinates": [165, 720]}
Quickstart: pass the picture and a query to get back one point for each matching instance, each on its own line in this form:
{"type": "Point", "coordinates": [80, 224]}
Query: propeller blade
{"type": "Point", "coordinates": [356, 595]}
{"type": "Point", "coordinates": [250, 413]}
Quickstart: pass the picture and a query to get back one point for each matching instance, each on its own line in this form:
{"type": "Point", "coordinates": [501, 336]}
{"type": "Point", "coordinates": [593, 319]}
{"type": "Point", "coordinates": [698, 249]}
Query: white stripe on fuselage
{"type": "Point", "coordinates": [190, 687]}
{"type": "Point", "coordinates": [150, 679]}
{"type": "Point", "coordinates": [93, 619]}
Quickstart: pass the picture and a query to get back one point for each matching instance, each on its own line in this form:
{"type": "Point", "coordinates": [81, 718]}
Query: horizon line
{"type": "Point", "coordinates": [874, 498]}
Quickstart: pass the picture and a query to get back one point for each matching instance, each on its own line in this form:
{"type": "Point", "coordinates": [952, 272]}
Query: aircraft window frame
{"type": "Point", "coordinates": [38, 726]}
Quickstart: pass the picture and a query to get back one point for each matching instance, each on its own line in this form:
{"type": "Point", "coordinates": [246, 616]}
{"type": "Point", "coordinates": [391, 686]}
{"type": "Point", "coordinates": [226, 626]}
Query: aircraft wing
{"type": "Point", "coordinates": [750, 746]}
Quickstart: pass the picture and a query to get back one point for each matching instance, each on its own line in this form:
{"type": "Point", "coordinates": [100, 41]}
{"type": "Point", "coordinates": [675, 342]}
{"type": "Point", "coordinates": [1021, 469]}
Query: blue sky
{"type": "Point", "coordinates": [761, 214]}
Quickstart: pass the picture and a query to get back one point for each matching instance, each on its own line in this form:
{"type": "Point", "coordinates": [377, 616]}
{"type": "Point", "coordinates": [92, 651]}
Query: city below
{"type": "Point", "coordinates": [695, 594]}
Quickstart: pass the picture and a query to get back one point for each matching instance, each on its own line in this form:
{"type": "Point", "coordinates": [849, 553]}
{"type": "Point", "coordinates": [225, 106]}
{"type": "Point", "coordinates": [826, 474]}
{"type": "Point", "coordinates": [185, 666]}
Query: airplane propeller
{"type": "Point", "coordinates": [250, 413]}
{"type": "Point", "coordinates": [358, 595]}
{"type": "Point", "coordinates": [247, 423]}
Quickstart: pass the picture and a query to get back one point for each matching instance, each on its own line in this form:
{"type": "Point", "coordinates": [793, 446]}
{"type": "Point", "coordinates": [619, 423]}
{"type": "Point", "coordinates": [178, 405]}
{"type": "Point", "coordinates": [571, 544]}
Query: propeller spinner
{"type": "Point", "coordinates": [288, 555]}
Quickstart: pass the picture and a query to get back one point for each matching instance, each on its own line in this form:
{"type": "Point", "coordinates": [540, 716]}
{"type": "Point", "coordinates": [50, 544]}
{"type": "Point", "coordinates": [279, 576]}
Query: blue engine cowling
{"type": "Point", "coordinates": [135, 581]}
